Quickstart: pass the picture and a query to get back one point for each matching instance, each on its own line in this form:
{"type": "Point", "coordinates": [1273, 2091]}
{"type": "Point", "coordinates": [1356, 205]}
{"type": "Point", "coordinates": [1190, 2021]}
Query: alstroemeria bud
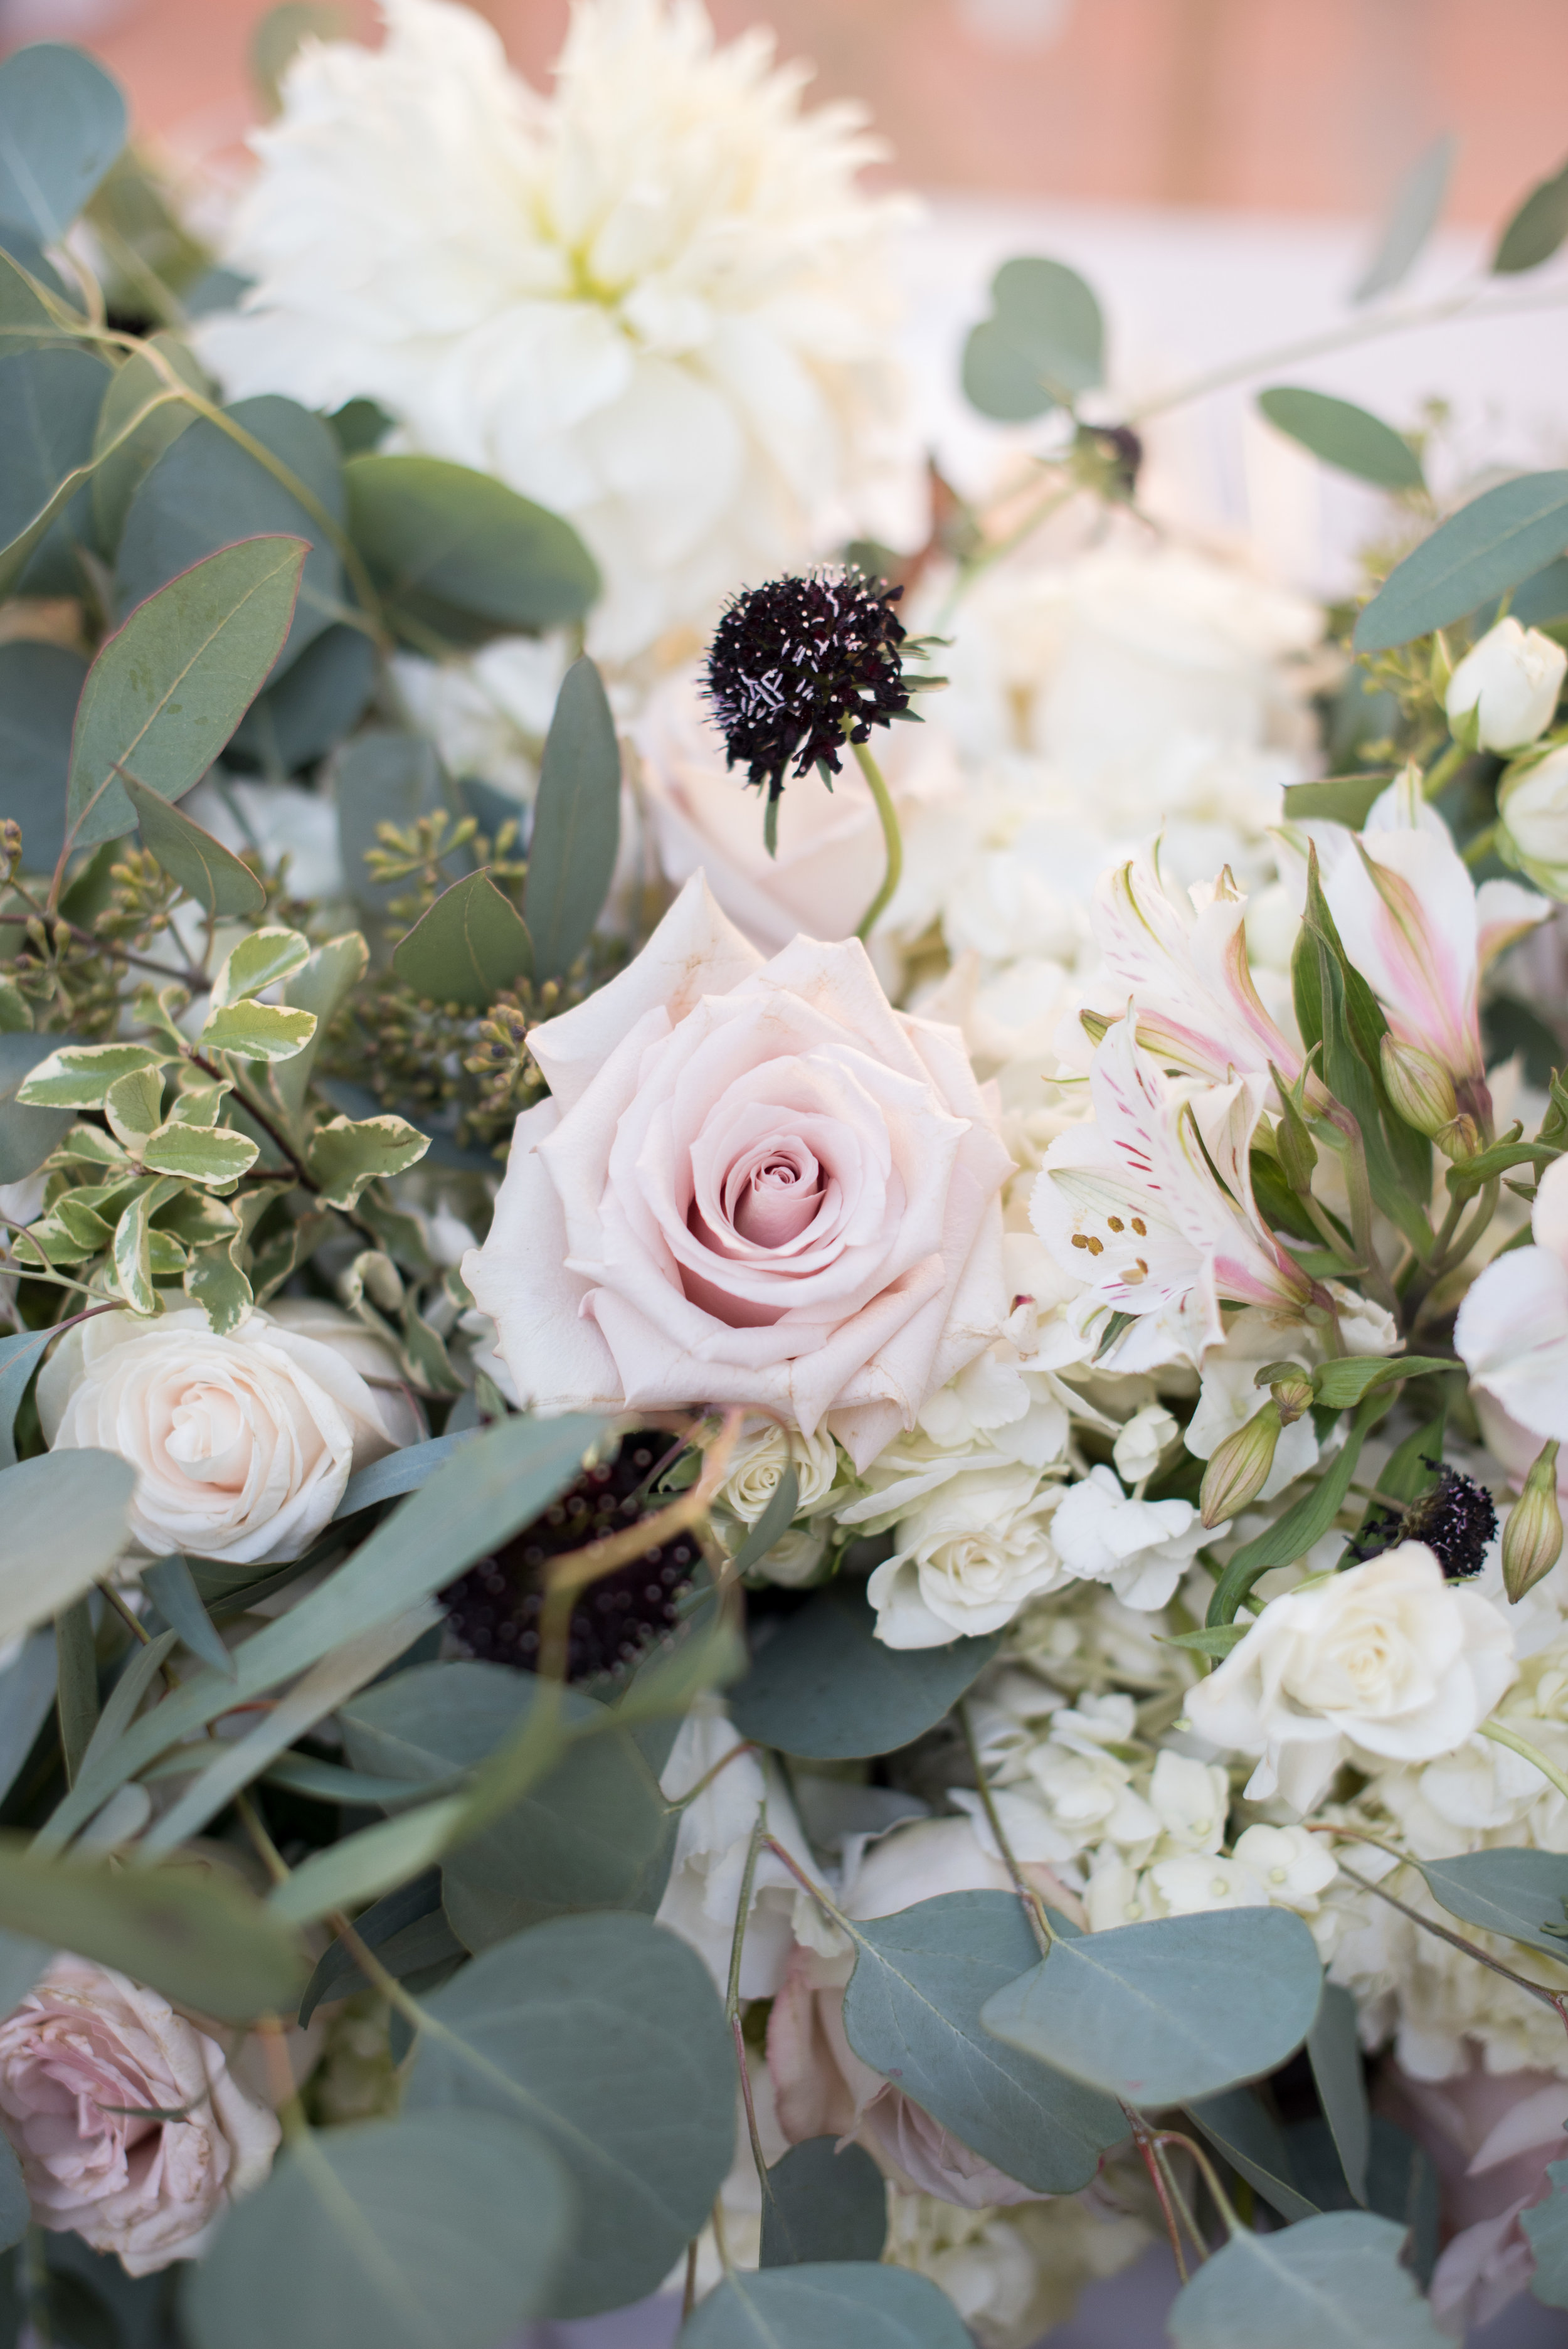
{"type": "Point", "coordinates": [1459, 1141]}
{"type": "Point", "coordinates": [1504, 691]}
{"type": "Point", "coordinates": [1294, 1396]}
{"type": "Point", "coordinates": [1533, 821]}
{"type": "Point", "coordinates": [1238, 1469]}
{"type": "Point", "coordinates": [1532, 1538]}
{"type": "Point", "coordinates": [1419, 1087]}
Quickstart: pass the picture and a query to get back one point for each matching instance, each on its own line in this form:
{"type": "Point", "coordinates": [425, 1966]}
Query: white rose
{"type": "Point", "coordinates": [1138, 1448]}
{"type": "Point", "coordinates": [243, 1444]}
{"type": "Point", "coordinates": [762, 1453]}
{"type": "Point", "coordinates": [1142, 1549]}
{"type": "Point", "coordinates": [1533, 804]}
{"type": "Point", "coordinates": [1506, 687]}
{"type": "Point", "coordinates": [1388, 1657]}
{"type": "Point", "coordinates": [86, 2040]}
{"type": "Point", "coordinates": [969, 1557]}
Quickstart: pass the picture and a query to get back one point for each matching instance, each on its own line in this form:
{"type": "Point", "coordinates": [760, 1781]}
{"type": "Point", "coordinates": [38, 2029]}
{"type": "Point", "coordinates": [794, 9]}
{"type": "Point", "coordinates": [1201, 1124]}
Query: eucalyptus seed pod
{"type": "Point", "coordinates": [1532, 1538]}
{"type": "Point", "coordinates": [1419, 1087]}
{"type": "Point", "coordinates": [1238, 1469]}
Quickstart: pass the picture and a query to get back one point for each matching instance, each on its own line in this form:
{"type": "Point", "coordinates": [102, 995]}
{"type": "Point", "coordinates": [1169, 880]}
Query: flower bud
{"type": "Point", "coordinates": [1504, 691]}
{"type": "Point", "coordinates": [1533, 821]}
{"type": "Point", "coordinates": [1460, 1141]}
{"type": "Point", "coordinates": [1532, 1538]}
{"type": "Point", "coordinates": [1238, 1469]}
{"type": "Point", "coordinates": [1294, 1395]}
{"type": "Point", "coordinates": [1419, 1087]}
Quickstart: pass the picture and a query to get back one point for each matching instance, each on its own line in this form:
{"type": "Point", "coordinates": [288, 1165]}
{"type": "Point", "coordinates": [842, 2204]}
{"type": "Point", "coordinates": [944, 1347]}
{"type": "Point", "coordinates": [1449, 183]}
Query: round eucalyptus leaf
{"type": "Point", "coordinates": [606, 2036]}
{"type": "Point", "coordinates": [62, 123]}
{"type": "Point", "coordinates": [40, 685]}
{"type": "Point", "coordinates": [826, 1688]}
{"type": "Point", "coordinates": [1546, 2227]}
{"type": "Point", "coordinates": [1167, 2011]}
{"type": "Point", "coordinates": [439, 2231]}
{"type": "Point", "coordinates": [313, 705]}
{"type": "Point", "coordinates": [826, 2307]}
{"type": "Point", "coordinates": [825, 2201]}
{"type": "Point", "coordinates": [1332, 2282]}
{"type": "Point", "coordinates": [1512, 1889]}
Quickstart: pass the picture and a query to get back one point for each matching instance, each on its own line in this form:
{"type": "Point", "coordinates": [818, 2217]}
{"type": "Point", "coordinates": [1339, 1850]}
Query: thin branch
{"type": "Point", "coordinates": [1457, 1942]}
{"type": "Point", "coordinates": [190, 977]}
{"type": "Point", "coordinates": [732, 1997]}
{"type": "Point", "coordinates": [1035, 1907]}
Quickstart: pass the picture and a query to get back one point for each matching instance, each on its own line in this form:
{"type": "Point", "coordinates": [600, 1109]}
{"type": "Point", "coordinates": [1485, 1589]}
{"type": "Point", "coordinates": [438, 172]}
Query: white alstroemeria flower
{"type": "Point", "coordinates": [969, 1557]}
{"type": "Point", "coordinates": [1504, 691]}
{"type": "Point", "coordinates": [1292, 1865]}
{"type": "Point", "coordinates": [1138, 1450]}
{"type": "Point", "coordinates": [1195, 1880]}
{"type": "Point", "coordinates": [1190, 1799]}
{"type": "Point", "coordinates": [656, 300]}
{"type": "Point", "coordinates": [1153, 1200]}
{"type": "Point", "coordinates": [1513, 1328]}
{"type": "Point", "coordinates": [1386, 1657]}
{"type": "Point", "coordinates": [1142, 1548]}
{"type": "Point", "coordinates": [1415, 926]}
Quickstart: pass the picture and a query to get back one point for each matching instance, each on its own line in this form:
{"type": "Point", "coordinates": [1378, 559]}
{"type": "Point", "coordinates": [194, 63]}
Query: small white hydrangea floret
{"type": "Point", "coordinates": [1142, 1548]}
{"type": "Point", "coordinates": [1292, 1865]}
{"type": "Point", "coordinates": [1198, 1880]}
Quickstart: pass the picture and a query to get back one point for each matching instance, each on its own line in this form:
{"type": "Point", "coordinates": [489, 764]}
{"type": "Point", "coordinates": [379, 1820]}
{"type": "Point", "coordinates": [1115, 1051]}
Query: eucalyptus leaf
{"type": "Point", "coordinates": [49, 402]}
{"type": "Point", "coordinates": [471, 945]}
{"type": "Point", "coordinates": [27, 1699]}
{"type": "Point", "coordinates": [1536, 229]}
{"type": "Point", "coordinates": [912, 2012]}
{"type": "Point", "coordinates": [1043, 344]}
{"type": "Point", "coordinates": [39, 689]}
{"type": "Point", "coordinates": [407, 1930]}
{"type": "Point", "coordinates": [1332, 2282]}
{"type": "Point", "coordinates": [1512, 1889]}
{"type": "Point", "coordinates": [193, 1933]}
{"type": "Point", "coordinates": [171, 1587]}
{"type": "Point", "coordinates": [1344, 435]}
{"type": "Point", "coordinates": [1252, 2142]}
{"type": "Point", "coordinates": [381, 778]}
{"type": "Point", "coordinates": [400, 1472]}
{"type": "Point", "coordinates": [824, 2201]}
{"type": "Point", "coordinates": [576, 823]}
{"type": "Point", "coordinates": [1500, 539]}
{"type": "Point", "coordinates": [606, 2035]}
{"type": "Point", "coordinates": [827, 1689]}
{"type": "Point", "coordinates": [1546, 2229]}
{"type": "Point", "coordinates": [824, 2307]}
{"type": "Point", "coordinates": [1334, 2049]}
{"type": "Point", "coordinates": [204, 869]}
{"type": "Point", "coordinates": [360, 1867]}
{"type": "Point", "coordinates": [458, 555]}
{"type": "Point", "coordinates": [773, 1523]}
{"type": "Point", "coordinates": [28, 1134]}
{"type": "Point", "coordinates": [321, 984]}
{"type": "Point", "coordinates": [75, 1683]}
{"type": "Point", "coordinates": [1174, 2009]}
{"type": "Point", "coordinates": [19, 1359]}
{"type": "Point", "coordinates": [319, 699]}
{"type": "Point", "coordinates": [1412, 216]}
{"type": "Point", "coordinates": [168, 687]}
{"type": "Point", "coordinates": [62, 124]}
{"type": "Point", "coordinates": [439, 2229]}
{"type": "Point", "coordinates": [65, 1517]}
{"type": "Point", "coordinates": [139, 382]}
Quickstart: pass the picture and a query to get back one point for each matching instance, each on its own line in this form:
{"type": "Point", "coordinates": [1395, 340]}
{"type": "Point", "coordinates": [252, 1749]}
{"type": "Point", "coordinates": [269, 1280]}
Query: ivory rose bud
{"type": "Point", "coordinates": [967, 1558]}
{"type": "Point", "coordinates": [86, 2040]}
{"type": "Point", "coordinates": [243, 1444]}
{"type": "Point", "coordinates": [1388, 1657]}
{"type": "Point", "coordinates": [1503, 692]}
{"type": "Point", "coordinates": [762, 1453]}
{"type": "Point", "coordinates": [753, 1183]}
{"type": "Point", "coordinates": [1532, 827]}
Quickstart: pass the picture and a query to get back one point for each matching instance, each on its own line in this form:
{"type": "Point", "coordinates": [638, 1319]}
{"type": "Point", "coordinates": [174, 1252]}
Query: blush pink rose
{"type": "Point", "coordinates": [753, 1183]}
{"type": "Point", "coordinates": [86, 2040]}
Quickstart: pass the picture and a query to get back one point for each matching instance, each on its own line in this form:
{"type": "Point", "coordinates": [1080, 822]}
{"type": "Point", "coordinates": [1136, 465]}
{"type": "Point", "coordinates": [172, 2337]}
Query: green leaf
{"type": "Point", "coordinates": [1500, 539]}
{"type": "Point", "coordinates": [1511, 1891]}
{"type": "Point", "coordinates": [28, 1134]}
{"type": "Point", "coordinates": [1334, 2282]}
{"type": "Point", "coordinates": [1412, 216]}
{"type": "Point", "coordinates": [206, 491]}
{"type": "Point", "coordinates": [1344, 435]}
{"type": "Point", "coordinates": [1334, 2049]}
{"type": "Point", "coordinates": [193, 1933]}
{"type": "Point", "coordinates": [1043, 344]}
{"type": "Point", "coordinates": [471, 945]}
{"type": "Point", "coordinates": [1167, 2011]}
{"type": "Point", "coordinates": [204, 869]}
{"type": "Point", "coordinates": [1293, 1534]}
{"type": "Point", "coordinates": [78, 1076]}
{"type": "Point", "coordinates": [443, 2229]}
{"type": "Point", "coordinates": [606, 2034]}
{"type": "Point", "coordinates": [361, 1866]}
{"type": "Point", "coordinates": [576, 823]}
{"type": "Point", "coordinates": [825, 2307]}
{"type": "Point", "coordinates": [134, 1107]}
{"type": "Point", "coordinates": [1212, 1639]}
{"type": "Point", "coordinates": [913, 2012]}
{"type": "Point", "coordinates": [64, 1518]}
{"type": "Point", "coordinates": [62, 124]}
{"type": "Point", "coordinates": [400, 1472]}
{"type": "Point", "coordinates": [827, 1689]}
{"type": "Point", "coordinates": [168, 687]}
{"type": "Point", "coordinates": [1341, 799]}
{"type": "Point", "coordinates": [1247, 2133]}
{"type": "Point", "coordinates": [381, 779]}
{"type": "Point", "coordinates": [346, 1155]}
{"type": "Point", "coordinates": [199, 1153]}
{"type": "Point", "coordinates": [19, 1359]}
{"type": "Point", "coordinates": [217, 1284]}
{"type": "Point", "coordinates": [14, 2211]}
{"type": "Point", "coordinates": [321, 984]}
{"type": "Point", "coordinates": [117, 478]}
{"type": "Point", "coordinates": [49, 402]}
{"type": "Point", "coordinates": [1546, 2226]}
{"type": "Point", "coordinates": [824, 2201]}
{"type": "Point", "coordinates": [1536, 229]}
{"type": "Point", "coordinates": [172, 1587]}
{"type": "Point", "coordinates": [456, 553]}
{"type": "Point", "coordinates": [131, 1255]}
{"type": "Point", "coordinates": [258, 1031]}
{"type": "Point", "coordinates": [258, 962]}
{"type": "Point", "coordinates": [319, 699]}
{"type": "Point", "coordinates": [1340, 1384]}
{"type": "Point", "coordinates": [772, 1525]}
{"type": "Point", "coordinates": [407, 1930]}
{"type": "Point", "coordinates": [39, 687]}
{"type": "Point", "coordinates": [75, 1686]}
{"type": "Point", "coordinates": [125, 1697]}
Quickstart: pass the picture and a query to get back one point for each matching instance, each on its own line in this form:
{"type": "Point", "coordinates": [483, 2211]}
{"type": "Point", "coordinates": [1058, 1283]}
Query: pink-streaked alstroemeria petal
{"type": "Point", "coordinates": [1513, 1337]}
{"type": "Point", "coordinates": [1405, 909]}
{"type": "Point", "coordinates": [1505, 913]}
{"type": "Point", "coordinates": [1184, 956]}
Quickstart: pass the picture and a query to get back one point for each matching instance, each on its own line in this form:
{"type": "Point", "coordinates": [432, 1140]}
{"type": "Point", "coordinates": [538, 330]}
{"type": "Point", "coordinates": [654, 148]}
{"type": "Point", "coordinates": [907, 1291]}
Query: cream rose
{"type": "Point", "coordinates": [243, 1444]}
{"type": "Point", "coordinates": [753, 1183]}
{"type": "Point", "coordinates": [967, 1558]}
{"type": "Point", "coordinates": [86, 2040]}
{"type": "Point", "coordinates": [762, 1453]}
{"type": "Point", "coordinates": [1386, 1657]}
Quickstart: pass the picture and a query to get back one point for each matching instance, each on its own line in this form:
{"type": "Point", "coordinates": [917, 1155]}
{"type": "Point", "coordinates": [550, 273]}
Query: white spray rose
{"type": "Point", "coordinates": [969, 1557]}
{"type": "Point", "coordinates": [762, 1453]}
{"type": "Point", "coordinates": [241, 1444]}
{"type": "Point", "coordinates": [1142, 1548]}
{"type": "Point", "coordinates": [1386, 1657]}
{"type": "Point", "coordinates": [1504, 691]}
{"type": "Point", "coordinates": [1533, 805]}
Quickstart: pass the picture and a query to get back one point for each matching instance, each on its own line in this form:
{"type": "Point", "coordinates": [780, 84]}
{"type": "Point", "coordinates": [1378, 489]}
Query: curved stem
{"type": "Point", "coordinates": [1517, 1744]}
{"type": "Point", "coordinates": [892, 836]}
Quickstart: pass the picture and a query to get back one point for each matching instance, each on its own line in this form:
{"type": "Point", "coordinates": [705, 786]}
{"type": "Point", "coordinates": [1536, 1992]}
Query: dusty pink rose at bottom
{"type": "Point", "coordinates": [85, 2039]}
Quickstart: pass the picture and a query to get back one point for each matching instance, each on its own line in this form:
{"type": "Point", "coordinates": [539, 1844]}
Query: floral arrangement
{"type": "Point", "coordinates": [779, 1452]}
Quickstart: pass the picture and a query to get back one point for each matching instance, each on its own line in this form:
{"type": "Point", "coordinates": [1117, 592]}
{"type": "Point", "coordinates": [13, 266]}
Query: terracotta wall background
{"type": "Point", "coordinates": [1307, 106]}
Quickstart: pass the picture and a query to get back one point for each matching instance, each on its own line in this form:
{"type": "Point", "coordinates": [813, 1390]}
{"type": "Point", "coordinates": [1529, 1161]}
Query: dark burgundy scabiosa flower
{"type": "Point", "coordinates": [493, 1610]}
{"type": "Point", "coordinates": [1456, 1519]}
{"type": "Point", "coordinates": [791, 662]}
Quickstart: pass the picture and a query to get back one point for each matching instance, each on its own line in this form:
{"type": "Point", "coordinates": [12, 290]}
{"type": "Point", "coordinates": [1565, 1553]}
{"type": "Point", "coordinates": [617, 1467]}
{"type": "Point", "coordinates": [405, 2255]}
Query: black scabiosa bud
{"type": "Point", "coordinates": [800, 667]}
{"type": "Point", "coordinates": [1456, 1519]}
{"type": "Point", "coordinates": [493, 1610]}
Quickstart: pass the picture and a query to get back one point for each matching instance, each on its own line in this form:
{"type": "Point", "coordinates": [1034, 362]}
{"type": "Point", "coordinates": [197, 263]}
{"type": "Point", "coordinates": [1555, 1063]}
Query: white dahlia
{"type": "Point", "coordinates": [657, 302]}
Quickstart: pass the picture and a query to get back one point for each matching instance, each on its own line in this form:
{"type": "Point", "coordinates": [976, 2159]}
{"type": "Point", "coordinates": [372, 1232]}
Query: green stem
{"type": "Point", "coordinates": [1482, 844]}
{"type": "Point", "coordinates": [979, 564]}
{"type": "Point", "coordinates": [1034, 1905]}
{"type": "Point", "coordinates": [1517, 1744]}
{"type": "Point", "coordinates": [732, 1997]}
{"type": "Point", "coordinates": [1446, 767]}
{"type": "Point", "coordinates": [892, 839]}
